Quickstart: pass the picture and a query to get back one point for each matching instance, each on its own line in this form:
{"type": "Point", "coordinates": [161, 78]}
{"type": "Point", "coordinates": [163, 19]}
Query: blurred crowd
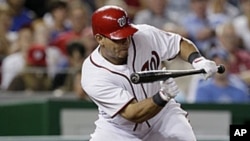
{"type": "Point", "coordinates": [44, 42]}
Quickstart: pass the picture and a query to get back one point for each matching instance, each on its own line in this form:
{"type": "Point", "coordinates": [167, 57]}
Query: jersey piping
{"type": "Point", "coordinates": [117, 73]}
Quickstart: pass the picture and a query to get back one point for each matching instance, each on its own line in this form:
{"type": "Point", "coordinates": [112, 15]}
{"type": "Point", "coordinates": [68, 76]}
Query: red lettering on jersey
{"type": "Point", "coordinates": [153, 63]}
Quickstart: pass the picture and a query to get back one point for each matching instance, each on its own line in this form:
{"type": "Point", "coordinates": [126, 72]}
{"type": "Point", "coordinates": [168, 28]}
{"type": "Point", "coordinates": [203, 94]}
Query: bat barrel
{"type": "Point", "coordinates": [146, 77]}
{"type": "Point", "coordinates": [151, 76]}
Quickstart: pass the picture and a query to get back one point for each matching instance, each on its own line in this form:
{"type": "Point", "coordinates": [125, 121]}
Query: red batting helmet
{"type": "Point", "coordinates": [112, 22]}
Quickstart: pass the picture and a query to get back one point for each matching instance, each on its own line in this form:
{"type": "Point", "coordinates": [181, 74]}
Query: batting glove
{"type": "Point", "coordinates": [208, 65]}
{"type": "Point", "coordinates": [169, 89]}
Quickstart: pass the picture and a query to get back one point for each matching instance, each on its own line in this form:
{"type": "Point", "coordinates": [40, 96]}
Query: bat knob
{"type": "Point", "coordinates": [221, 69]}
{"type": "Point", "coordinates": [135, 78]}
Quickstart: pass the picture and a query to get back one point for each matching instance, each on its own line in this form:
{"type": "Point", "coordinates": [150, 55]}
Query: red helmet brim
{"type": "Point", "coordinates": [122, 33]}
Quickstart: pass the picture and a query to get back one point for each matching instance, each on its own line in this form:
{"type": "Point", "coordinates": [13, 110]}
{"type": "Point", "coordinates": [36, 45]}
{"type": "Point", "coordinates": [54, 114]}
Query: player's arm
{"type": "Point", "coordinates": [139, 112]}
{"type": "Point", "coordinates": [186, 48]}
{"type": "Point", "coordinates": [144, 110]}
{"type": "Point", "coordinates": [190, 53]}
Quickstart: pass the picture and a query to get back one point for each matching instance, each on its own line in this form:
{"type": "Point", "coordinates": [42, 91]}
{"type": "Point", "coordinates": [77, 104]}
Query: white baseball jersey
{"type": "Point", "coordinates": [109, 85]}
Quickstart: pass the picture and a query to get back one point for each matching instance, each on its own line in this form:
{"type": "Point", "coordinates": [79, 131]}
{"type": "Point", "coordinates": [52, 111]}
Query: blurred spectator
{"type": "Point", "coordinates": [242, 23]}
{"type": "Point", "coordinates": [154, 14]}
{"type": "Point", "coordinates": [175, 28]}
{"type": "Point", "coordinates": [14, 63]}
{"type": "Point", "coordinates": [5, 41]}
{"type": "Point", "coordinates": [99, 3]}
{"type": "Point", "coordinates": [221, 11]}
{"type": "Point", "coordinates": [119, 3]}
{"type": "Point", "coordinates": [222, 88]}
{"type": "Point", "coordinates": [200, 30]}
{"type": "Point", "coordinates": [53, 54]}
{"type": "Point", "coordinates": [87, 5]}
{"type": "Point", "coordinates": [76, 54]}
{"type": "Point", "coordinates": [5, 18]}
{"type": "Point", "coordinates": [239, 58]}
{"type": "Point", "coordinates": [39, 7]}
{"type": "Point", "coordinates": [5, 22]}
{"type": "Point", "coordinates": [133, 6]}
{"type": "Point", "coordinates": [21, 14]}
{"type": "Point", "coordinates": [79, 19]}
{"type": "Point", "coordinates": [41, 33]}
{"type": "Point", "coordinates": [77, 89]}
{"type": "Point", "coordinates": [80, 32]}
{"type": "Point", "coordinates": [56, 18]}
{"type": "Point", "coordinates": [223, 7]}
{"type": "Point", "coordinates": [178, 9]}
{"type": "Point", "coordinates": [91, 5]}
{"type": "Point", "coordinates": [234, 2]}
{"type": "Point", "coordinates": [34, 76]}
{"type": "Point", "coordinates": [64, 80]}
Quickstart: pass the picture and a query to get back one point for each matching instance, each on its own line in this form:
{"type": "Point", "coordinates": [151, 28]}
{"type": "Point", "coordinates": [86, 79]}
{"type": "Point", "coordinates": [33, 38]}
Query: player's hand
{"type": "Point", "coordinates": [169, 89]}
{"type": "Point", "coordinates": [208, 65]}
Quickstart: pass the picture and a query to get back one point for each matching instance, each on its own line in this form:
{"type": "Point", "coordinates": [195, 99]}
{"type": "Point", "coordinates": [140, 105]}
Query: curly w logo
{"type": "Point", "coordinates": [153, 63]}
{"type": "Point", "coordinates": [122, 21]}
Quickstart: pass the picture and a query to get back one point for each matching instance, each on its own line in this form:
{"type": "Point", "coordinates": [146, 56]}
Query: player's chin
{"type": "Point", "coordinates": [123, 54]}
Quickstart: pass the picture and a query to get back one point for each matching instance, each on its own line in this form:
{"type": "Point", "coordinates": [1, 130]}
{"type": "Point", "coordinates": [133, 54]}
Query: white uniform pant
{"type": "Point", "coordinates": [174, 126]}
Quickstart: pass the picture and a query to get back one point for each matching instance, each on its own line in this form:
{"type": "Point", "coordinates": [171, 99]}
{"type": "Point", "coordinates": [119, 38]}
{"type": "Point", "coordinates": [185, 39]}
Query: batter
{"type": "Point", "coordinates": [136, 112]}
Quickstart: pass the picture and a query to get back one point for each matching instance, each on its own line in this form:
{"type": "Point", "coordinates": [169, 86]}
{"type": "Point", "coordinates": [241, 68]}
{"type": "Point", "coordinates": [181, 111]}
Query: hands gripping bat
{"type": "Point", "coordinates": [158, 75]}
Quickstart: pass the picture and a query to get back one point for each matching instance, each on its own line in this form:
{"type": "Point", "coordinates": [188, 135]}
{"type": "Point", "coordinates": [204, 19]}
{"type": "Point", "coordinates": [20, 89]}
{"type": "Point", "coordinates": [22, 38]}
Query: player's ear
{"type": "Point", "coordinates": [99, 38]}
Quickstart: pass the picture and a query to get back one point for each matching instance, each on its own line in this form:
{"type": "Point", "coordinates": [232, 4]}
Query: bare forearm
{"type": "Point", "coordinates": [245, 76]}
{"type": "Point", "coordinates": [141, 111]}
{"type": "Point", "coordinates": [186, 48]}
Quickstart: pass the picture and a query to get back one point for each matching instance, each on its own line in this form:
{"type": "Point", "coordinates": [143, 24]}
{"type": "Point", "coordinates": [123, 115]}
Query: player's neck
{"type": "Point", "coordinates": [113, 60]}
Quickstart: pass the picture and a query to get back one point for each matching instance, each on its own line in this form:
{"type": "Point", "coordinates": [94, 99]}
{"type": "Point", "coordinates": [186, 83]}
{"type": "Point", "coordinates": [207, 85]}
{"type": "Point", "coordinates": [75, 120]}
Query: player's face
{"type": "Point", "coordinates": [116, 51]}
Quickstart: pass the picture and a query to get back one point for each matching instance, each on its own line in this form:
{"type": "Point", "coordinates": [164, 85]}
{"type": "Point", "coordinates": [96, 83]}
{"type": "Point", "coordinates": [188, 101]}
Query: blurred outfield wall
{"type": "Point", "coordinates": [65, 118]}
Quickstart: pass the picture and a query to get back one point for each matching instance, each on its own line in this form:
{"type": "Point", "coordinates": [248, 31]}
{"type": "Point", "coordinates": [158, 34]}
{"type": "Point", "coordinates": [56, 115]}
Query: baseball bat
{"type": "Point", "coordinates": [158, 75]}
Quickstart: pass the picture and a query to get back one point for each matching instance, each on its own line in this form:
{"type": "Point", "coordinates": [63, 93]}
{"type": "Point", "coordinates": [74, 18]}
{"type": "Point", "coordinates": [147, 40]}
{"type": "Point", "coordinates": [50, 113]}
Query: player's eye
{"type": "Point", "coordinates": [122, 41]}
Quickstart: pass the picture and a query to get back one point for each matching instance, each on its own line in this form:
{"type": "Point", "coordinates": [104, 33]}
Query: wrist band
{"type": "Point", "coordinates": [193, 56]}
{"type": "Point", "coordinates": [158, 100]}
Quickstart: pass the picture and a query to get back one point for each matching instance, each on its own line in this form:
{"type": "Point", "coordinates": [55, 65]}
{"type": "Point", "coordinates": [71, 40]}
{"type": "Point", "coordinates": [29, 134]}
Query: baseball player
{"type": "Point", "coordinates": [136, 112]}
